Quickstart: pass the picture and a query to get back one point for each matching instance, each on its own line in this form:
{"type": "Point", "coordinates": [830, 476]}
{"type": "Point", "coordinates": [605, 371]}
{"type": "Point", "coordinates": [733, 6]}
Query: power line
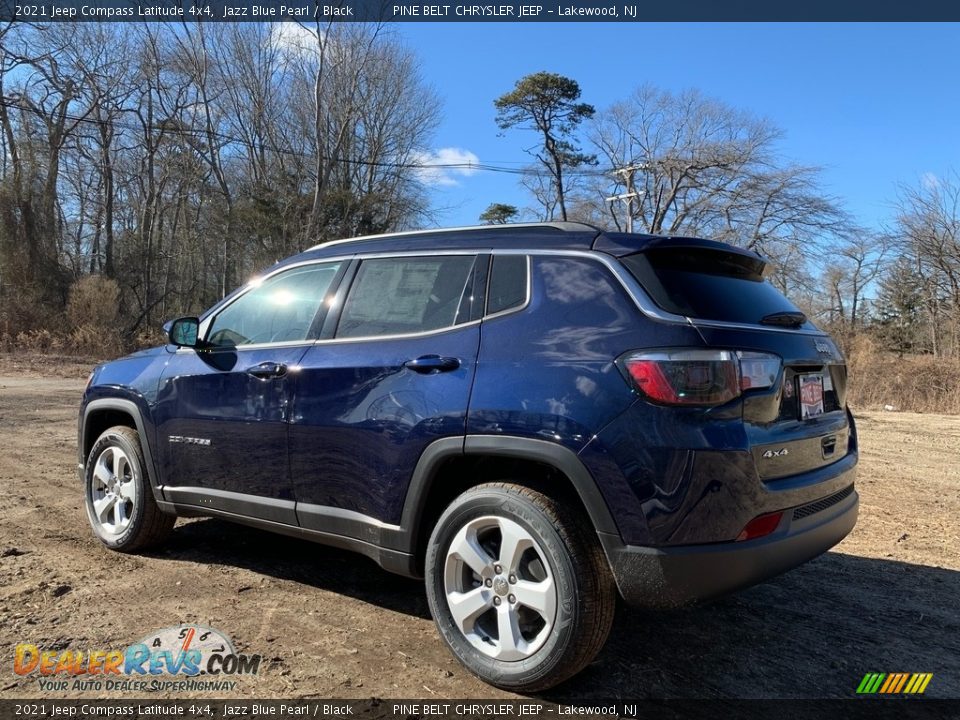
{"type": "Point", "coordinates": [177, 129]}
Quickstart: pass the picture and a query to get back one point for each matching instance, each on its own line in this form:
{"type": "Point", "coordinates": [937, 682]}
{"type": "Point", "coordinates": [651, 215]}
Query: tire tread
{"type": "Point", "coordinates": [596, 604]}
{"type": "Point", "coordinates": [155, 525]}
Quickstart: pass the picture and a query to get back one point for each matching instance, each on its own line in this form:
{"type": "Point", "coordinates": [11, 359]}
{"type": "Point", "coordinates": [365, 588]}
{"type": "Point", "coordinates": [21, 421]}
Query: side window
{"type": "Point", "coordinates": [281, 309]}
{"type": "Point", "coordinates": [507, 287]}
{"type": "Point", "coordinates": [395, 296]}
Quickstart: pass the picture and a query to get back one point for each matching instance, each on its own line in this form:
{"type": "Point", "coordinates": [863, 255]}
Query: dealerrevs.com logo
{"type": "Point", "coordinates": [182, 658]}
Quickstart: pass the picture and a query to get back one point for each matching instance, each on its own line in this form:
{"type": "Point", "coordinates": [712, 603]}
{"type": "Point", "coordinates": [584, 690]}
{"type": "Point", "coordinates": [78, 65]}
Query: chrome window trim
{"type": "Point", "coordinates": [396, 336]}
{"type": "Point", "coordinates": [427, 333]}
{"type": "Point", "coordinates": [424, 333]}
{"type": "Point", "coordinates": [529, 296]}
{"type": "Point", "coordinates": [633, 288]}
{"type": "Point", "coordinates": [646, 305]}
{"type": "Point", "coordinates": [255, 282]}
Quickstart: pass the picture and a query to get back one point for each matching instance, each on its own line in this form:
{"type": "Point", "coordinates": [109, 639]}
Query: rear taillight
{"type": "Point", "coordinates": [699, 377]}
{"type": "Point", "coordinates": [758, 370]}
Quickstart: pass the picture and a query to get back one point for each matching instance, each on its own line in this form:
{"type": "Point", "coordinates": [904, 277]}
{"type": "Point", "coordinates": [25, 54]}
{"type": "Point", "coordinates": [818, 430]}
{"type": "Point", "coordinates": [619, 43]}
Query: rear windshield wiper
{"type": "Point", "coordinates": [786, 319]}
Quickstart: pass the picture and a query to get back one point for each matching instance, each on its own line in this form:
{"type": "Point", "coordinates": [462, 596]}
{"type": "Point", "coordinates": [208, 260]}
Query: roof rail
{"type": "Point", "coordinates": [562, 226]}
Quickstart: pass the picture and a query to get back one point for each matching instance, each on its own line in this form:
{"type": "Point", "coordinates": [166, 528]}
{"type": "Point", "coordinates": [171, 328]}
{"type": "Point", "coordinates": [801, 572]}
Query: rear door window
{"type": "Point", "coordinates": [408, 295]}
{"type": "Point", "coordinates": [507, 288]}
{"type": "Point", "coordinates": [708, 284]}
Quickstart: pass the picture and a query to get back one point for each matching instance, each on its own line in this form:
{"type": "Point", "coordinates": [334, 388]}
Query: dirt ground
{"type": "Point", "coordinates": [332, 624]}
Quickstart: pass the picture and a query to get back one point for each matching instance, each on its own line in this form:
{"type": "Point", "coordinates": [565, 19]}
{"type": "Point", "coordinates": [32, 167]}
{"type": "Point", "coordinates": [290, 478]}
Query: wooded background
{"type": "Point", "coordinates": [148, 169]}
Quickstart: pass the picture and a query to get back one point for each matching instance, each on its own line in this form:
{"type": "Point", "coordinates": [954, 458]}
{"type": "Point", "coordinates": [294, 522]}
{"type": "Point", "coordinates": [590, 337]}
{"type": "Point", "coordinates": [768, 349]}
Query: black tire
{"type": "Point", "coordinates": [585, 590]}
{"type": "Point", "coordinates": [140, 524]}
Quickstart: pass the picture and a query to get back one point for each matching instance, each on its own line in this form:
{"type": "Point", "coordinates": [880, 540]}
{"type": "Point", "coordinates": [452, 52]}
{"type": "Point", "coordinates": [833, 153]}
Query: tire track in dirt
{"type": "Point", "coordinates": [332, 624]}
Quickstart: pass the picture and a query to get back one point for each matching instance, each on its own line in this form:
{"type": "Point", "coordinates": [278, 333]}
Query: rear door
{"type": "Point", "coordinates": [798, 424]}
{"type": "Point", "coordinates": [391, 374]}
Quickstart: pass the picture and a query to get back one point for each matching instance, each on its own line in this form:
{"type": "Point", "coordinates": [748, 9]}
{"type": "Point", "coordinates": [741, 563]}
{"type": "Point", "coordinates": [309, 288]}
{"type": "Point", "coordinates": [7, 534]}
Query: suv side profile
{"type": "Point", "coordinates": [532, 418]}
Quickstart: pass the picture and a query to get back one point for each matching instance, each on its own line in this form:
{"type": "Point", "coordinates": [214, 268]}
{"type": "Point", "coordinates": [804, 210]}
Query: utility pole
{"type": "Point", "coordinates": [631, 193]}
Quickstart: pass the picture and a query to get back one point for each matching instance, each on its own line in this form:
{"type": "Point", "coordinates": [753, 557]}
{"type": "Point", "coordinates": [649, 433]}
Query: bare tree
{"type": "Point", "coordinates": [928, 224]}
{"type": "Point", "coordinates": [698, 166]}
{"type": "Point", "coordinates": [177, 158]}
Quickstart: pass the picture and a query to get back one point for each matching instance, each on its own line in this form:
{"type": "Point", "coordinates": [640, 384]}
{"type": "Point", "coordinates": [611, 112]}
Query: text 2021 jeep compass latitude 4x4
{"type": "Point", "coordinates": [531, 417]}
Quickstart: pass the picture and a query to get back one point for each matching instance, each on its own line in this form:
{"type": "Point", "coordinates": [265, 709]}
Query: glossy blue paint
{"type": "Point", "coordinates": [690, 472]}
{"type": "Point", "coordinates": [548, 372]}
{"type": "Point", "coordinates": [343, 428]}
{"type": "Point", "coordinates": [361, 419]}
{"type": "Point", "coordinates": [212, 396]}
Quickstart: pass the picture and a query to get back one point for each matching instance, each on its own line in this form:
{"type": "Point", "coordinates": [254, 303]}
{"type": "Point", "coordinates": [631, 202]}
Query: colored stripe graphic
{"type": "Point", "coordinates": [894, 683]}
{"type": "Point", "coordinates": [892, 680]}
{"type": "Point", "coordinates": [904, 677]}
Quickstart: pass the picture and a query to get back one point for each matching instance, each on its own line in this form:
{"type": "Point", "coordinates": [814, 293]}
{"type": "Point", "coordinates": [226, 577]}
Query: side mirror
{"type": "Point", "coordinates": [184, 332]}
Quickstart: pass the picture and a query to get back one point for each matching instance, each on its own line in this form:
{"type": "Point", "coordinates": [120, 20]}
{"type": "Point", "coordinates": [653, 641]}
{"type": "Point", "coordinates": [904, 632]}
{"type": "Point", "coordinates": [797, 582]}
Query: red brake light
{"type": "Point", "coordinates": [651, 380]}
{"type": "Point", "coordinates": [699, 377]}
{"type": "Point", "coordinates": [686, 377]}
{"type": "Point", "coordinates": [760, 526]}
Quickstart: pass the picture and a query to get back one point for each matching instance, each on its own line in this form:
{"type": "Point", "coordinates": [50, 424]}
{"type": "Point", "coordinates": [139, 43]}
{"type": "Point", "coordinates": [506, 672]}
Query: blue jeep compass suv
{"type": "Point", "coordinates": [531, 417]}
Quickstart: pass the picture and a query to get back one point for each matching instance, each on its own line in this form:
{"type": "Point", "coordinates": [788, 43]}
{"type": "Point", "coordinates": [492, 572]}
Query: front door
{"type": "Point", "coordinates": [222, 412]}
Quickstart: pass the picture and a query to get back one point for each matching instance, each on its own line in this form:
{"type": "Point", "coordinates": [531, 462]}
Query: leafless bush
{"type": "Point", "coordinates": [915, 383]}
{"type": "Point", "coordinates": [93, 302]}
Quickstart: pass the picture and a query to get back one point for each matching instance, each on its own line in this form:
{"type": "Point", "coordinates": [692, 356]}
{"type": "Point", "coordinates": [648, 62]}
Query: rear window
{"type": "Point", "coordinates": [707, 284]}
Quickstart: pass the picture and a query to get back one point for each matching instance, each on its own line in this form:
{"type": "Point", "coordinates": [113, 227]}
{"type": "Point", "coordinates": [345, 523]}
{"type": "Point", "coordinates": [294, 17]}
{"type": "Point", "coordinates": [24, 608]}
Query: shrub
{"type": "Point", "coordinates": [93, 303]}
{"type": "Point", "coordinates": [916, 383]}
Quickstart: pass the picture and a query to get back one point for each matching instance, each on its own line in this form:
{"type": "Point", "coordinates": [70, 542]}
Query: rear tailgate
{"type": "Point", "coordinates": [799, 422]}
{"type": "Point", "coordinates": [788, 436]}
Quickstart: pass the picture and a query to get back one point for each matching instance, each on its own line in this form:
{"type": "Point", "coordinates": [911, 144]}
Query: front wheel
{"type": "Point", "coordinates": [119, 499]}
{"type": "Point", "coordinates": [518, 586]}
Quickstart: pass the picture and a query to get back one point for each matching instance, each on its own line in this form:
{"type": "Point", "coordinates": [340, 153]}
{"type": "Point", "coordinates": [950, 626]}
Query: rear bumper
{"type": "Point", "coordinates": [673, 576]}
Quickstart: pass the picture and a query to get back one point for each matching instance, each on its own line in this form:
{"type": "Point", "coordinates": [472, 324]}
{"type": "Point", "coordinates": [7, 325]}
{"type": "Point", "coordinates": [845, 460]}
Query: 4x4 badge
{"type": "Point", "coordinates": [823, 347]}
{"type": "Point", "coordinates": [776, 453]}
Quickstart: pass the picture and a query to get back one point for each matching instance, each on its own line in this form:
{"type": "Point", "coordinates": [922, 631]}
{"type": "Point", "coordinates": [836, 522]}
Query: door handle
{"type": "Point", "coordinates": [267, 370]}
{"type": "Point", "coordinates": [428, 364]}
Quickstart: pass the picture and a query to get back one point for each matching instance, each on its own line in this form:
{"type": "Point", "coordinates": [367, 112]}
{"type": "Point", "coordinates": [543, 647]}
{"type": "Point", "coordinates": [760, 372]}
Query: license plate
{"type": "Point", "coordinates": [811, 396]}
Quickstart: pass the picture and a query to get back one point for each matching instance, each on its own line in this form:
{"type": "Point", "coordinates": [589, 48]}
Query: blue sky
{"type": "Point", "coordinates": [873, 104]}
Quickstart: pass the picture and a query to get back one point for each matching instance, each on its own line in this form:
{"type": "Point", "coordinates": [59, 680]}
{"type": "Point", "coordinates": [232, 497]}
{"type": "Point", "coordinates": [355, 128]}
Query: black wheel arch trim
{"type": "Point", "coordinates": [128, 407]}
{"type": "Point", "coordinates": [557, 456]}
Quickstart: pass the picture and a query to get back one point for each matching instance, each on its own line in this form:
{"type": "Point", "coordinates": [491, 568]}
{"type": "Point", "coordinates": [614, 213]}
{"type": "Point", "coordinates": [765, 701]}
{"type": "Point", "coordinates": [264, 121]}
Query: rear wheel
{"type": "Point", "coordinates": [518, 586]}
{"type": "Point", "coordinates": [119, 499]}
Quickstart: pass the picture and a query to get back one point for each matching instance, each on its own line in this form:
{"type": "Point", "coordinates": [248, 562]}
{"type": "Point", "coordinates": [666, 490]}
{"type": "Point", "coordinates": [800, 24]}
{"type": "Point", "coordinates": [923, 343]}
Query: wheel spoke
{"type": "Point", "coordinates": [466, 547]}
{"type": "Point", "coordinates": [117, 513]}
{"type": "Point", "coordinates": [515, 541]}
{"type": "Point", "coordinates": [102, 472]}
{"type": "Point", "coordinates": [119, 464]}
{"type": "Point", "coordinates": [468, 606]}
{"type": "Point", "coordinates": [511, 642]}
{"type": "Point", "coordinates": [538, 596]}
{"type": "Point", "coordinates": [101, 507]}
{"type": "Point", "coordinates": [512, 589]}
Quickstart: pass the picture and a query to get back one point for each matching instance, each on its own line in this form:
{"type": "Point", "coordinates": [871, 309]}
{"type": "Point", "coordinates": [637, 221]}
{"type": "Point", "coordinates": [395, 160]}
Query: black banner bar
{"type": "Point", "coordinates": [531, 709]}
{"type": "Point", "coordinates": [623, 11]}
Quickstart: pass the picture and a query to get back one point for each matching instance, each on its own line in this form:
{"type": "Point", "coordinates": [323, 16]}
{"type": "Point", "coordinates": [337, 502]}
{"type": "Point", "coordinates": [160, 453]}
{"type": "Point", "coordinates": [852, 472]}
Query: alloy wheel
{"type": "Point", "coordinates": [500, 589]}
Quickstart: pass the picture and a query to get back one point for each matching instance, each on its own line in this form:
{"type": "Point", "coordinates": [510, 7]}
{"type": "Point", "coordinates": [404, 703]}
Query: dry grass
{"type": "Point", "coordinates": [911, 383]}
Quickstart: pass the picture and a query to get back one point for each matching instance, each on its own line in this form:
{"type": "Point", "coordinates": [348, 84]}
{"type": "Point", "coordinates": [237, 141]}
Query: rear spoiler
{"type": "Point", "coordinates": [699, 250]}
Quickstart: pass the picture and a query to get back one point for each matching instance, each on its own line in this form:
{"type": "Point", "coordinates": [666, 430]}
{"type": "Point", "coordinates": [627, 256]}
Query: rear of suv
{"type": "Point", "coordinates": [534, 418]}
